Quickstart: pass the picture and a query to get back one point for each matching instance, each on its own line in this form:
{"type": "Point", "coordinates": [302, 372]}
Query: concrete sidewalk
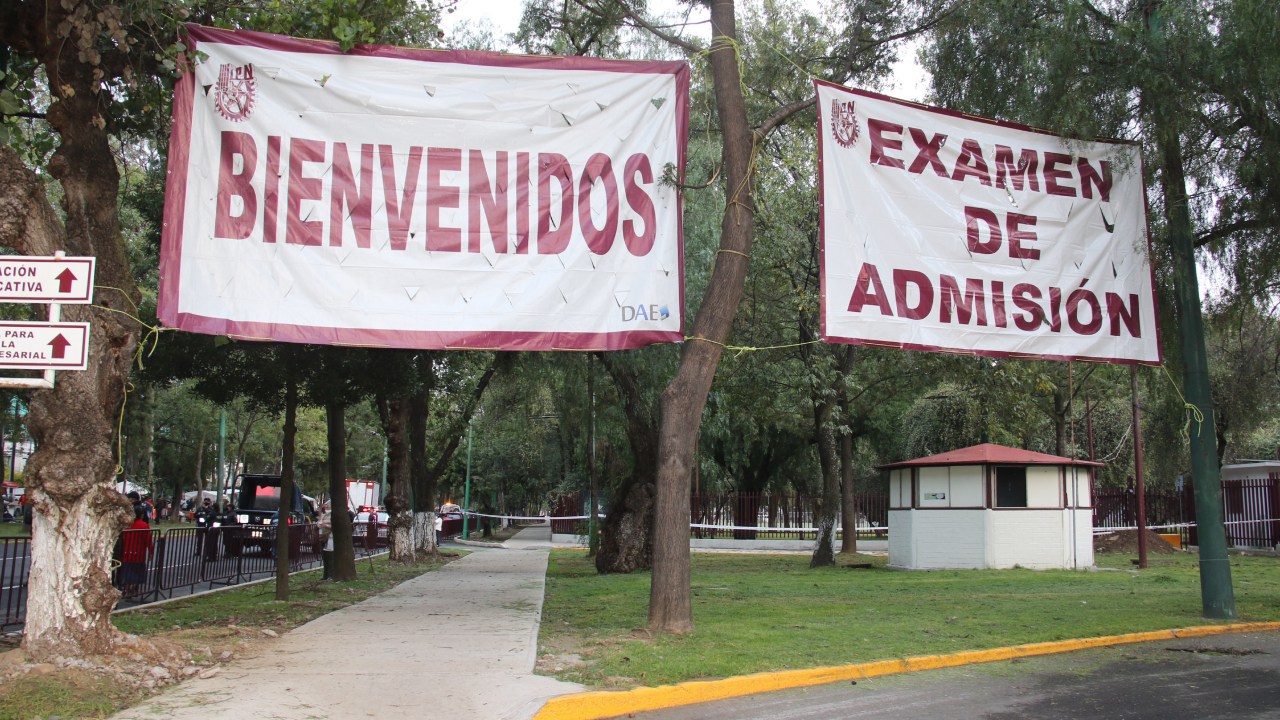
{"type": "Point", "coordinates": [457, 643]}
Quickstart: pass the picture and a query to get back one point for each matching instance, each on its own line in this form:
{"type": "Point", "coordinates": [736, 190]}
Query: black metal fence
{"type": "Point", "coordinates": [174, 561]}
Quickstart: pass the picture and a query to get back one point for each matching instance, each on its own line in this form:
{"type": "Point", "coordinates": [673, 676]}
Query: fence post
{"type": "Point", "coordinates": [157, 561]}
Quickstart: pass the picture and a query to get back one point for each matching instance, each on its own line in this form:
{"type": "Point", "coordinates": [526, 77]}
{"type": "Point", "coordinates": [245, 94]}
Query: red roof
{"type": "Point", "coordinates": [990, 454]}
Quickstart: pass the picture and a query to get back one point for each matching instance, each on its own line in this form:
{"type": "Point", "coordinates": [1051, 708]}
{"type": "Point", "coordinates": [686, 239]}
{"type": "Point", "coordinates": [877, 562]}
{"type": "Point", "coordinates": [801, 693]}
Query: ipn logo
{"type": "Point", "coordinates": [632, 313]}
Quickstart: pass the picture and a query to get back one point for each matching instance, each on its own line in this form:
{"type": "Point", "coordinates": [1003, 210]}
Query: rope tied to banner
{"type": "Point", "coordinates": [740, 349]}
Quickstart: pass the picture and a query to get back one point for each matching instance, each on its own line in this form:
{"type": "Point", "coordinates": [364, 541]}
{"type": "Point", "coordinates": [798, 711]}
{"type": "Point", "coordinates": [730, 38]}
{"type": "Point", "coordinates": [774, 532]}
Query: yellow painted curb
{"type": "Point", "coordinates": [600, 705]}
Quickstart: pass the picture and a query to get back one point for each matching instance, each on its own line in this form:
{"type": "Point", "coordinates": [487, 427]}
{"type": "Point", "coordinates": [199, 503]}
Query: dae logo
{"type": "Point", "coordinates": [844, 123]}
{"type": "Point", "coordinates": [632, 313]}
{"type": "Point", "coordinates": [235, 92]}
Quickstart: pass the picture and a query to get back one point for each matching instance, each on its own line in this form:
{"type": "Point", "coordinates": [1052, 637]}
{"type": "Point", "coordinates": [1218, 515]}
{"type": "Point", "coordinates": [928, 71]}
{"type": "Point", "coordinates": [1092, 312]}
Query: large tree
{"type": "Point", "coordinates": [862, 51]}
{"type": "Point", "coordinates": [1196, 82]}
{"type": "Point", "coordinates": [70, 62]}
{"type": "Point", "coordinates": [81, 81]}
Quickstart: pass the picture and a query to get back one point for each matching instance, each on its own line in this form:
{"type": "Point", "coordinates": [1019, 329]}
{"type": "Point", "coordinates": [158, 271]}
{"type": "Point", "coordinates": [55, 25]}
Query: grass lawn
{"type": "Point", "coordinates": [13, 529]}
{"type": "Point", "coordinates": [771, 612]}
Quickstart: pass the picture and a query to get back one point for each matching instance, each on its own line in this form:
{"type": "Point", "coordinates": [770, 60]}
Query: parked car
{"type": "Point", "coordinates": [256, 515]}
{"type": "Point", "coordinates": [451, 523]}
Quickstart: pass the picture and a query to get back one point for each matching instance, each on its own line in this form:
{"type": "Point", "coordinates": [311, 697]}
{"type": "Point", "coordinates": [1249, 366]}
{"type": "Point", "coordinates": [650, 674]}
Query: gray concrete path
{"type": "Point", "coordinates": [458, 643]}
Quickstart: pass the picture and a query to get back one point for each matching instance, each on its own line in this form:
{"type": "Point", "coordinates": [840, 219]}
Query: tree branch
{"type": "Point", "coordinates": [1221, 231]}
{"type": "Point", "coordinates": [781, 115]}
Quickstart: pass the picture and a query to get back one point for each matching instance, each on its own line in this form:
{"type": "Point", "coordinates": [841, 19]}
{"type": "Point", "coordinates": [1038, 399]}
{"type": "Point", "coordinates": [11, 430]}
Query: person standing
{"type": "Point", "coordinates": [222, 524]}
{"type": "Point", "coordinates": [326, 537]}
{"type": "Point", "coordinates": [204, 520]}
{"type": "Point", "coordinates": [138, 546]}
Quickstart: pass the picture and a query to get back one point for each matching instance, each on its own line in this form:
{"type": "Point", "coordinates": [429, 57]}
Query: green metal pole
{"type": "Point", "coordinates": [222, 457]}
{"type": "Point", "coordinates": [466, 493]}
{"type": "Point", "coordinates": [17, 429]}
{"type": "Point", "coordinates": [1216, 595]}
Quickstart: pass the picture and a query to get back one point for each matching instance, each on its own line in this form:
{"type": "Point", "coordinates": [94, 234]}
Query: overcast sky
{"type": "Point", "coordinates": [505, 16]}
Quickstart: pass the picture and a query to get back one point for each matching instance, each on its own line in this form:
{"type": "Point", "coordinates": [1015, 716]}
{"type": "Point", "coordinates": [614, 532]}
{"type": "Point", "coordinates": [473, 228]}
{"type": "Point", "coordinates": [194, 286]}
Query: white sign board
{"type": "Point", "coordinates": [952, 233]}
{"type": "Point", "coordinates": [44, 345]}
{"type": "Point", "coordinates": [423, 199]}
{"type": "Point", "coordinates": [66, 280]}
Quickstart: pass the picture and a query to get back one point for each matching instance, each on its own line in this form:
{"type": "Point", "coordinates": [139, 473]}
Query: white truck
{"type": "Point", "coordinates": [363, 494]}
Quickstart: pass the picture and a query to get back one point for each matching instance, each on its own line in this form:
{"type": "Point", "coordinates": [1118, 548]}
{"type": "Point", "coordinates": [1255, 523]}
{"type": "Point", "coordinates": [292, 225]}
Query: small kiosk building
{"type": "Point", "coordinates": [991, 506]}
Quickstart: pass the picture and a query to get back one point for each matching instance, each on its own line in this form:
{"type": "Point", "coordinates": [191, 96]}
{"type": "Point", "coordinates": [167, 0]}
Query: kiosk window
{"type": "Point", "coordinates": [1011, 487]}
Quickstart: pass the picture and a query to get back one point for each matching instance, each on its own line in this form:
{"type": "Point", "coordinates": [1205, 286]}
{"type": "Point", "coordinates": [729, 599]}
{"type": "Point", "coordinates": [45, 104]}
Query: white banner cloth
{"type": "Point", "coordinates": [951, 233]}
{"type": "Point", "coordinates": [423, 199]}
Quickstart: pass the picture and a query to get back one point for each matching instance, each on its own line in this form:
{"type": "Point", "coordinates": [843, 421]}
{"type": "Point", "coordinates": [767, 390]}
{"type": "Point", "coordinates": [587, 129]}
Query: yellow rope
{"type": "Point", "coordinates": [123, 294]}
{"type": "Point", "coordinates": [152, 334]}
{"type": "Point", "coordinates": [1193, 412]}
{"type": "Point", "coordinates": [124, 400]}
{"type": "Point", "coordinates": [740, 349]}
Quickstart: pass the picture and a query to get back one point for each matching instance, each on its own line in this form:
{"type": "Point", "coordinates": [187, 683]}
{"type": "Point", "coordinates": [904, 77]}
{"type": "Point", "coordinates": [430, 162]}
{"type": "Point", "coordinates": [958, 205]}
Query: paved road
{"type": "Point", "coordinates": [1234, 677]}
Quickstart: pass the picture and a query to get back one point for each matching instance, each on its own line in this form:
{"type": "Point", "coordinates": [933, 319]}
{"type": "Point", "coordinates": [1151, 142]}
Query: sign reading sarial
{"type": "Point", "coordinates": [393, 197]}
{"type": "Point", "coordinates": [951, 233]}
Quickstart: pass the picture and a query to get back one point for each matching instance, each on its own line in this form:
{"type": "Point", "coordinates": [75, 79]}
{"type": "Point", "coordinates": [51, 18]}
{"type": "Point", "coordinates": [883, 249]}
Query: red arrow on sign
{"type": "Point", "coordinates": [60, 345]}
{"type": "Point", "coordinates": [65, 278]}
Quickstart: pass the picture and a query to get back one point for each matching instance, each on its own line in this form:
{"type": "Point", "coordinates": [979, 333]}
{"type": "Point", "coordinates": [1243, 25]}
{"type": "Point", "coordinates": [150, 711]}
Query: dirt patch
{"type": "Point", "coordinates": [1126, 541]}
{"type": "Point", "coordinates": [138, 668]}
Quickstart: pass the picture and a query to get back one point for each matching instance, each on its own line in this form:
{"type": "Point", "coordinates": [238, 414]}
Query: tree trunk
{"type": "Point", "coordinates": [670, 605]}
{"type": "Point", "coordinates": [848, 502]}
{"type": "Point", "coordinates": [395, 423]}
{"type": "Point", "coordinates": [149, 431]}
{"type": "Point", "coordinates": [78, 511]}
{"type": "Point", "coordinates": [343, 564]}
{"type": "Point", "coordinates": [422, 480]}
{"type": "Point", "coordinates": [284, 510]}
{"type": "Point", "coordinates": [199, 467]}
{"type": "Point", "coordinates": [824, 553]}
{"type": "Point", "coordinates": [626, 537]}
{"type": "Point", "coordinates": [1061, 407]}
{"type": "Point", "coordinates": [593, 494]}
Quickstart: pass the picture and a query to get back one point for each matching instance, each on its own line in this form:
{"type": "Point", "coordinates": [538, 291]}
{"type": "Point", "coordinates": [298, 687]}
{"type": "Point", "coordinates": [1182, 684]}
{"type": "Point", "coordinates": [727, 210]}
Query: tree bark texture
{"type": "Point", "coordinates": [626, 537]}
{"type": "Point", "coordinates": [824, 554]}
{"type": "Point", "coordinates": [670, 604]}
{"type": "Point", "coordinates": [420, 478]}
{"type": "Point", "coordinates": [395, 423]}
{"type": "Point", "coordinates": [848, 503]}
{"type": "Point", "coordinates": [70, 477]}
{"type": "Point", "coordinates": [284, 510]}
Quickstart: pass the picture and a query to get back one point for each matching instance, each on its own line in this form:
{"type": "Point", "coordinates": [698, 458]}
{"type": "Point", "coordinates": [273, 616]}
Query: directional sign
{"type": "Point", "coordinates": [66, 280]}
{"type": "Point", "coordinates": [44, 346]}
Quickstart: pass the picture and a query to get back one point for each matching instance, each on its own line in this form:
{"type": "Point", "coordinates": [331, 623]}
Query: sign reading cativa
{"type": "Point", "coordinates": [423, 199]}
{"type": "Point", "coordinates": [952, 233]}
